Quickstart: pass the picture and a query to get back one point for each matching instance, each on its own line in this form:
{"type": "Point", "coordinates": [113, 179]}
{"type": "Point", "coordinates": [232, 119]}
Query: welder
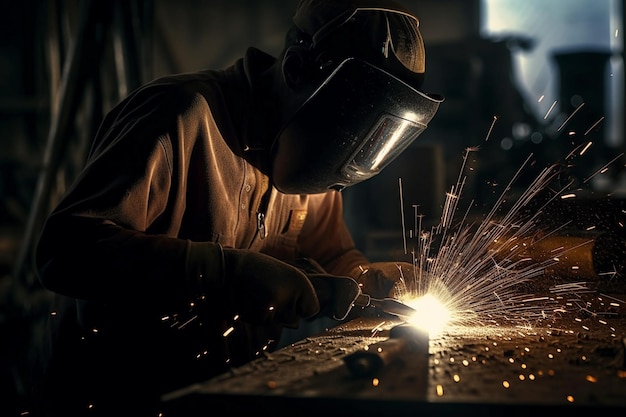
{"type": "Point", "coordinates": [175, 252]}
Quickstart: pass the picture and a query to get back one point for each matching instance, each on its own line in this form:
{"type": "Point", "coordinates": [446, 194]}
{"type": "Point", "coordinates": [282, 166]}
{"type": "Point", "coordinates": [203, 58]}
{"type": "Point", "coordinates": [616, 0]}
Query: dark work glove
{"type": "Point", "coordinates": [263, 289]}
{"type": "Point", "coordinates": [336, 294]}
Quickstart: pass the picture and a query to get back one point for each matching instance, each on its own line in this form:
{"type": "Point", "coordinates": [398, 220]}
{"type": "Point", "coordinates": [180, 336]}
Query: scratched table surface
{"type": "Point", "coordinates": [568, 365]}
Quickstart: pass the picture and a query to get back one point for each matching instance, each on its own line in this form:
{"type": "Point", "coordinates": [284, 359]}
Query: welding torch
{"type": "Point", "coordinates": [386, 305]}
{"type": "Point", "coordinates": [337, 295]}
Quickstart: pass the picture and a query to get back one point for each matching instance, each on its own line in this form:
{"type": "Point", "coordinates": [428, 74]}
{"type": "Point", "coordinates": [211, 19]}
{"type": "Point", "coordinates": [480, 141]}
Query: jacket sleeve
{"type": "Point", "coordinates": [114, 236]}
{"type": "Point", "coordinates": [326, 238]}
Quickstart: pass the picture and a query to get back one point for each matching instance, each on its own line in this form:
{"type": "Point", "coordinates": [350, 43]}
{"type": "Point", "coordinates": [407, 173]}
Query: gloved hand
{"type": "Point", "coordinates": [336, 294]}
{"type": "Point", "coordinates": [387, 279]}
{"type": "Point", "coordinates": [263, 289]}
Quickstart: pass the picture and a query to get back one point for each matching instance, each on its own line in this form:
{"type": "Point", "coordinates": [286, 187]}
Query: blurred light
{"type": "Point", "coordinates": [506, 144]}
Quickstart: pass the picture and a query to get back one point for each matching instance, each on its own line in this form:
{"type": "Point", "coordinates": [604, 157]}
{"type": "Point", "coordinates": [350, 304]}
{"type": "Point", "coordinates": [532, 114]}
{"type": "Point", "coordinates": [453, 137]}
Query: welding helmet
{"type": "Point", "coordinates": [367, 107]}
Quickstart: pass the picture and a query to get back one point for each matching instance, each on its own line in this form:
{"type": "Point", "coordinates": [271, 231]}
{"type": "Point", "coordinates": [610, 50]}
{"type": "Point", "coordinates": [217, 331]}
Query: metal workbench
{"type": "Point", "coordinates": [565, 365]}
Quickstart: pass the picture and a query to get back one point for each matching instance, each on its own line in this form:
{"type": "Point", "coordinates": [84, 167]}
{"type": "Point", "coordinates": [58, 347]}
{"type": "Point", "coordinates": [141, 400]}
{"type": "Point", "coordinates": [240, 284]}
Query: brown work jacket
{"type": "Point", "coordinates": [174, 169]}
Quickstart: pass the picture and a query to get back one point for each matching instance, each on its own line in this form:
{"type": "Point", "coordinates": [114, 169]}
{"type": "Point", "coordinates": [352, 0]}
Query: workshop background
{"type": "Point", "coordinates": [512, 73]}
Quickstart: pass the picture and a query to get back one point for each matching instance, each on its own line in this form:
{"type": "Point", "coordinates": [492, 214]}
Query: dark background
{"type": "Point", "coordinates": [64, 64]}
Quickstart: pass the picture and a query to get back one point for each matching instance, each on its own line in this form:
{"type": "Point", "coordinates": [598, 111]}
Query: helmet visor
{"type": "Point", "coordinates": [389, 136]}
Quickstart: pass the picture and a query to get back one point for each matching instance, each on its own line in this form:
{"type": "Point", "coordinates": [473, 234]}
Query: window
{"type": "Point", "coordinates": [566, 38]}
